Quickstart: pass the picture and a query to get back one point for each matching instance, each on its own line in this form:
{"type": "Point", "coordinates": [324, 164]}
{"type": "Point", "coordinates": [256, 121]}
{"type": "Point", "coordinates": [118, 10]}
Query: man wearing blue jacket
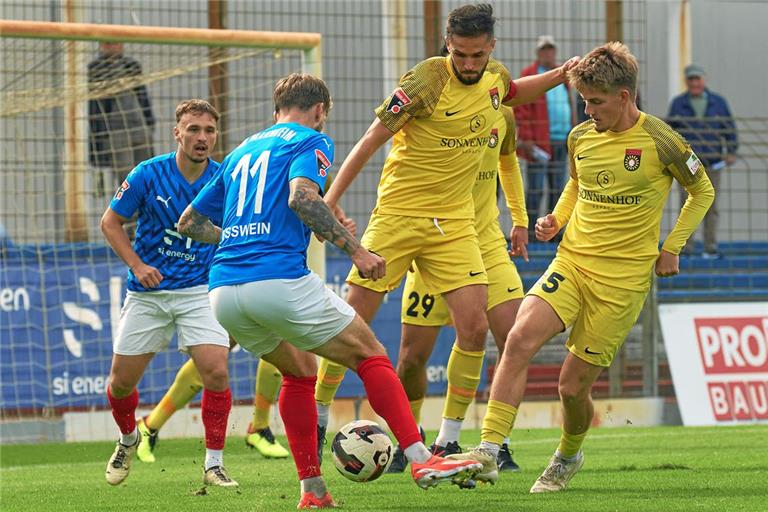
{"type": "Point", "coordinates": [704, 119]}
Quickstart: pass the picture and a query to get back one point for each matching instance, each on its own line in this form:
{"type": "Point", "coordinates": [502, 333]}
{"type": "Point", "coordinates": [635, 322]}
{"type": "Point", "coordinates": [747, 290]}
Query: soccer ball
{"type": "Point", "coordinates": [362, 451]}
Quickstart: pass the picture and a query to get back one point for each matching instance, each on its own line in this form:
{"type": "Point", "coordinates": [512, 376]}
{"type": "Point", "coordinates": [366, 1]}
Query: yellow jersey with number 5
{"type": "Point", "coordinates": [623, 180]}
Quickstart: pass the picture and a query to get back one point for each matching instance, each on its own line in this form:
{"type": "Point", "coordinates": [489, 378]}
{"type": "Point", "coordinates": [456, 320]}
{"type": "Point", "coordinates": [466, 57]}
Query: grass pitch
{"type": "Point", "coordinates": [627, 469]}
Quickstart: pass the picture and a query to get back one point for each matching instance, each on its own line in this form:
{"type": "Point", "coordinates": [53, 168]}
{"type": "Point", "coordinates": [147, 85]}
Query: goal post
{"type": "Point", "coordinates": [61, 286]}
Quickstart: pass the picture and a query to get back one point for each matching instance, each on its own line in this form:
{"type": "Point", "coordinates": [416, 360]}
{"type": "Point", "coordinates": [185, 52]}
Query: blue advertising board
{"type": "Point", "coordinates": [59, 306]}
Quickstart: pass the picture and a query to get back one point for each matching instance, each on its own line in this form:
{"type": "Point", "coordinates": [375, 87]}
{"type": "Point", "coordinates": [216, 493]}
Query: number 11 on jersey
{"type": "Point", "coordinates": [244, 169]}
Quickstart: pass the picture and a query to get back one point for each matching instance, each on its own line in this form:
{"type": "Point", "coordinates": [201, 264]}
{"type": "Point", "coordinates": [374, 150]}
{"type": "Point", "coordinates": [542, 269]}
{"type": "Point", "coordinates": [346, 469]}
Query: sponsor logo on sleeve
{"type": "Point", "coordinates": [398, 101]}
{"type": "Point", "coordinates": [323, 164]}
{"type": "Point", "coordinates": [125, 186]}
{"type": "Point", "coordinates": [632, 159]}
{"type": "Point", "coordinates": [693, 163]}
{"type": "Point", "coordinates": [495, 99]}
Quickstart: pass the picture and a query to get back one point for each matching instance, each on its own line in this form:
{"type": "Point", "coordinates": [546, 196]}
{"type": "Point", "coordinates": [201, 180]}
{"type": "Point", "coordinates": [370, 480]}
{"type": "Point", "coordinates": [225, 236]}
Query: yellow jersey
{"type": "Point", "coordinates": [623, 181]}
{"type": "Point", "coordinates": [442, 129]}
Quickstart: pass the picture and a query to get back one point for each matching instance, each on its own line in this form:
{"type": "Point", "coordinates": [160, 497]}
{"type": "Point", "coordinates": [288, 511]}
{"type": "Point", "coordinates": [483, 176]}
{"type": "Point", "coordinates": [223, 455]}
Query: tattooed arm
{"type": "Point", "coordinates": [306, 202]}
{"type": "Point", "coordinates": [198, 227]}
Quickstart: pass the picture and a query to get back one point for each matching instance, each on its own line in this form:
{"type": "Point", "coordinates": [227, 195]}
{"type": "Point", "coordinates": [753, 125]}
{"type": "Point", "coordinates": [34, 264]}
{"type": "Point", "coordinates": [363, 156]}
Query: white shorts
{"type": "Point", "coordinates": [148, 320]}
{"type": "Point", "coordinates": [260, 314]}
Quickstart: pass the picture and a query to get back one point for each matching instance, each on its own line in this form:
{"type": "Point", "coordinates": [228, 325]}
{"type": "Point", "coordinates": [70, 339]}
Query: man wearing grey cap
{"type": "Point", "coordinates": [543, 129]}
{"type": "Point", "coordinates": [704, 119]}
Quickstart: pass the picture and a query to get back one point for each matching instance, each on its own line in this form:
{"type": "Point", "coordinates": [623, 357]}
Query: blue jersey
{"type": "Point", "coordinates": [160, 193]}
{"type": "Point", "coordinates": [262, 238]}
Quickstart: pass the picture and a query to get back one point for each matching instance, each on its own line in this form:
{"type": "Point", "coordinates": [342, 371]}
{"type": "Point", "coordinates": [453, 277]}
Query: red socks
{"type": "Point", "coordinates": [124, 410]}
{"type": "Point", "coordinates": [387, 397]}
{"type": "Point", "coordinates": [215, 412]}
{"type": "Point", "coordinates": [299, 413]}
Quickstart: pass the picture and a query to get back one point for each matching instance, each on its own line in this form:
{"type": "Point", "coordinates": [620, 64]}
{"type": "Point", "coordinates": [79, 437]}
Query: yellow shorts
{"type": "Point", "coordinates": [421, 307]}
{"type": "Point", "coordinates": [446, 251]}
{"type": "Point", "coordinates": [601, 315]}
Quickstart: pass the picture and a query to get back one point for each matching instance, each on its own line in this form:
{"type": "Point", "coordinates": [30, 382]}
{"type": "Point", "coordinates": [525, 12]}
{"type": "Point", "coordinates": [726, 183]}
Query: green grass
{"type": "Point", "coordinates": [628, 469]}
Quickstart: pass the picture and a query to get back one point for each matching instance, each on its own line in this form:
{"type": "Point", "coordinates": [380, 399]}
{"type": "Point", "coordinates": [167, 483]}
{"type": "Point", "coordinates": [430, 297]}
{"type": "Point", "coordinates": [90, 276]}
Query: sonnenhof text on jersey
{"type": "Point", "coordinates": [609, 199]}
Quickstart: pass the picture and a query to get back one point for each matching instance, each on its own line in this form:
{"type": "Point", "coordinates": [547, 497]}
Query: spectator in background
{"type": "Point", "coordinates": [119, 116]}
{"type": "Point", "coordinates": [705, 120]}
{"type": "Point", "coordinates": [543, 128]}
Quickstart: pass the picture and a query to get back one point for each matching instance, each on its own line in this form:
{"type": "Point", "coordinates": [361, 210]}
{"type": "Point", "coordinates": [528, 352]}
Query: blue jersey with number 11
{"type": "Point", "coordinates": [262, 238]}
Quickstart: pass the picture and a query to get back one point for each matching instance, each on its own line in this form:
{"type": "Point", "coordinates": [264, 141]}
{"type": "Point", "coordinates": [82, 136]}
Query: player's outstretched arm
{"type": "Point", "coordinates": [198, 227]}
{"type": "Point", "coordinates": [375, 137]}
{"type": "Point", "coordinates": [306, 202]}
{"type": "Point", "coordinates": [531, 87]}
{"type": "Point", "coordinates": [112, 227]}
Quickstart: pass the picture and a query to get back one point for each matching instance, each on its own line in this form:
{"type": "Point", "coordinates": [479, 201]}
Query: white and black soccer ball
{"type": "Point", "coordinates": [362, 451]}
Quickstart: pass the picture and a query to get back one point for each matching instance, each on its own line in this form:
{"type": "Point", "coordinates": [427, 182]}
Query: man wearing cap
{"type": "Point", "coordinates": [704, 119]}
{"type": "Point", "coordinates": [543, 129]}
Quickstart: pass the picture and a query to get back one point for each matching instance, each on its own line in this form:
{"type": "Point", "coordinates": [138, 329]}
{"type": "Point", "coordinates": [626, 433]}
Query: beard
{"type": "Point", "coordinates": [468, 81]}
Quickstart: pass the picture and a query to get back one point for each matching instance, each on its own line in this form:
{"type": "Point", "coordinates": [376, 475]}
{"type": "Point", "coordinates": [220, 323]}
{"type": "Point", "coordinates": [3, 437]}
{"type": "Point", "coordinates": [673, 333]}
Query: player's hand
{"type": "Point", "coordinates": [546, 227]}
{"type": "Point", "coordinates": [148, 276]}
{"type": "Point", "coordinates": [568, 65]}
{"type": "Point", "coordinates": [518, 238]}
{"type": "Point", "coordinates": [667, 264]}
{"type": "Point", "coordinates": [369, 264]}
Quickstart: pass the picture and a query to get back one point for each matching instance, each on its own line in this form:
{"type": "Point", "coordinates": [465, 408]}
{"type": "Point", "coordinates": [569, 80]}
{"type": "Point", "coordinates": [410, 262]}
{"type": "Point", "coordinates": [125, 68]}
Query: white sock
{"type": "Point", "coordinates": [213, 458]}
{"type": "Point", "coordinates": [493, 448]}
{"type": "Point", "coordinates": [568, 459]}
{"type": "Point", "coordinates": [449, 432]}
{"type": "Point", "coordinates": [315, 485]}
{"type": "Point", "coordinates": [323, 411]}
{"type": "Point", "coordinates": [506, 441]}
{"type": "Point", "coordinates": [418, 453]}
{"type": "Point", "coordinates": [129, 439]}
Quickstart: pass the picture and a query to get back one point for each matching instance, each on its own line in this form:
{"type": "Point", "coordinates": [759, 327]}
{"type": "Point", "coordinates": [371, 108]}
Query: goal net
{"type": "Point", "coordinates": [80, 106]}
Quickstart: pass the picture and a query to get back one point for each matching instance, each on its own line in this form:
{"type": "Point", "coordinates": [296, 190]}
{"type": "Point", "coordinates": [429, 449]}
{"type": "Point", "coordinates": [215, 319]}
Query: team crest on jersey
{"type": "Point", "coordinates": [398, 101]}
{"type": "Point", "coordinates": [632, 159]}
{"type": "Point", "coordinates": [495, 99]}
{"type": "Point", "coordinates": [125, 186]}
{"type": "Point", "coordinates": [323, 164]}
{"type": "Point", "coordinates": [493, 139]}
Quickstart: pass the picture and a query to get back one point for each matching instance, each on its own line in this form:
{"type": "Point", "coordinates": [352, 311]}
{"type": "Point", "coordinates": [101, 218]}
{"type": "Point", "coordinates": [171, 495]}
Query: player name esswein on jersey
{"type": "Point", "coordinates": [250, 229]}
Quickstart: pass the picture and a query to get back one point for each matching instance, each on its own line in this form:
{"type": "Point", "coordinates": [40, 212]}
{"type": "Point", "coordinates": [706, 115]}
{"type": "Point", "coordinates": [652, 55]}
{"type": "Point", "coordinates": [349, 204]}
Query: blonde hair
{"type": "Point", "coordinates": [196, 106]}
{"type": "Point", "coordinates": [607, 68]}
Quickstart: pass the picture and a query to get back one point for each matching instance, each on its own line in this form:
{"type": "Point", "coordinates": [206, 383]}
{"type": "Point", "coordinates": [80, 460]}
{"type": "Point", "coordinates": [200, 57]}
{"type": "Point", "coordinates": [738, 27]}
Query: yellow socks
{"type": "Point", "coordinates": [498, 422]}
{"type": "Point", "coordinates": [185, 386]}
{"type": "Point", "coordinates": [464, 370]}
{"type": "Point", "coordinates": [570, 444]}
{"type": "Point", "coordinates": [329, 377]}
{"type": "Point", "coordinates": [268, 379]}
